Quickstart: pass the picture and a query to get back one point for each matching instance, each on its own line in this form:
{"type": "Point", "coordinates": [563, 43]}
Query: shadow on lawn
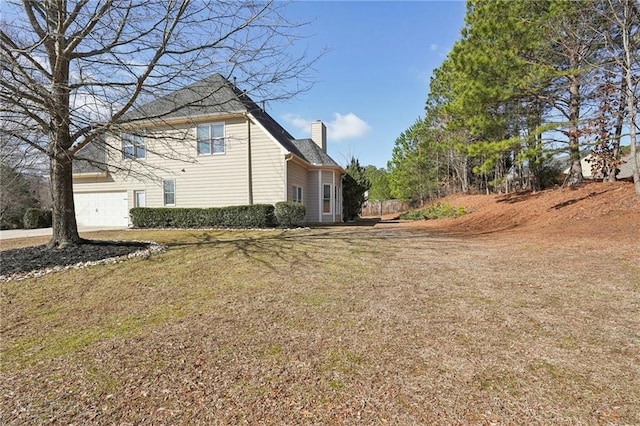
{"type": "Point", "coordinates": [311, 246]}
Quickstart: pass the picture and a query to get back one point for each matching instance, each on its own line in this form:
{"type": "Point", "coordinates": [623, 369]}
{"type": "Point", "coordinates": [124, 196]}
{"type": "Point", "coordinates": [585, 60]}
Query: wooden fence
{"type": "Point", "coordinates": [382, 208]}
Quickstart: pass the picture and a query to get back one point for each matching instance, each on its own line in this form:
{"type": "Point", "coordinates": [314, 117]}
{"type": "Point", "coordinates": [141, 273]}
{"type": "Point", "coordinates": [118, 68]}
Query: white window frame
{"type": "Point", "coordinates": [165, 192]}
{"type": "Point", "coordinates": [297, 194]}
{"type": "Point", "coordinates": [134, 146]}
{"type": "Point", "coordinates": [137, 193]}
{"type": "Point", "coordinates": [211, 142]}
{"type": "Point", "coordinates": [326, 200]}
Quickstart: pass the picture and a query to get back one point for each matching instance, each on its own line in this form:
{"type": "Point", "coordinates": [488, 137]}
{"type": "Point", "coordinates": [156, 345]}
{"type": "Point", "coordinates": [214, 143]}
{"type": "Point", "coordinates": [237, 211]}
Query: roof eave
{"type": "Point", "coordinates": [176, 121]}
{"type": "Point", "coordinates": [88, 175]}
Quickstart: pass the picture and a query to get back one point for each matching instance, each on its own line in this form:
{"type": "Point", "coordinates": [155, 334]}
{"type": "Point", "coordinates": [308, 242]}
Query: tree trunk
{"type": "Point", "coordinates": [65, 229]}
{"type": "Point", "coordinates": [631, 95]}
{"type": "Point", "coordinates": [534, 120]}
{"type": "Point", "coordinates": [615, 144]}
{"type": "Point", "coordinates": [633, 136]}
{"type": "Point", "coordinates": [636, 168]}
{"type": "Point", "coordinates": [465, 175]}
{"type": "Point", "coordinates": [575, 177]}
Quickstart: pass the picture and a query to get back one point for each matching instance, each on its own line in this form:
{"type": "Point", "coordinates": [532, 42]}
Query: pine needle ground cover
{"type": "Point", "coordinates": [384, 324]}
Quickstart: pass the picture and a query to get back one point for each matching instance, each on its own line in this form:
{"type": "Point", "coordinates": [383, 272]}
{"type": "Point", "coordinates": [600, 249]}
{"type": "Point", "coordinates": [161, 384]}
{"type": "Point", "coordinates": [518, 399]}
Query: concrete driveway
{"type": "Point", "coordinates": [9, 234]}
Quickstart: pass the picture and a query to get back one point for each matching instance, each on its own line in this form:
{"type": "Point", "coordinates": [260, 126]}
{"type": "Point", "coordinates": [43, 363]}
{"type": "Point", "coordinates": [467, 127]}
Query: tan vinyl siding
{"type": "Point", "coordinates": [207, 180]}
{"type": "Point", "coordinates": [297, 175]}
{"type": "Point", "coordinates": [268, 167]}
{"type": "Point", "coordinates": [216, 180]}
{"type": "Point", "coordinates": [313, 196]}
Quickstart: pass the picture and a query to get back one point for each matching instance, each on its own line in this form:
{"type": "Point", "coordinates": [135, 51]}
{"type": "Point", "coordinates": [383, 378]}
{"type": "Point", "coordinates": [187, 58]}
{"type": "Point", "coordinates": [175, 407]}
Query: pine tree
{"type": "Point", "coordinates": [354, 186]}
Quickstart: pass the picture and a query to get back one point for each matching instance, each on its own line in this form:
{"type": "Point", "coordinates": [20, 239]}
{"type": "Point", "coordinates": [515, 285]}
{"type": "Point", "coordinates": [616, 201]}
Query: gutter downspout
{"type": "Point", "coordinates": [249, 165]}
{"type": "Point", "coordinates": [320, 195]}
{"type": "Point", "coordinates": [340, 194]}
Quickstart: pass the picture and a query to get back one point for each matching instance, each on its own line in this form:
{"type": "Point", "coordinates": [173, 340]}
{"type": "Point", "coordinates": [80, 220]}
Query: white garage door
{"type": "Point", "coordinates": [104, 209]}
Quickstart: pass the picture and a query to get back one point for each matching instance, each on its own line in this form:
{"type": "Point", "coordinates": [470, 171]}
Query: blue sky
{"type": "Point", "coordinates": [373, 83]}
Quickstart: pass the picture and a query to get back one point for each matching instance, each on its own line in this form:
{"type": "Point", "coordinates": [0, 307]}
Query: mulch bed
{"type": "Point", "coordinates": [29, 259]}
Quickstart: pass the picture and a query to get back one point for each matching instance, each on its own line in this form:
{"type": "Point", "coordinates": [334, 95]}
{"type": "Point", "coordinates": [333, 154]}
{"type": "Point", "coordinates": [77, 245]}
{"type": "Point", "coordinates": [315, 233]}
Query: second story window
{"type": "Point", "coordinates": [133, 146]}
{"type": "Point", "coordinates": [211, 139]}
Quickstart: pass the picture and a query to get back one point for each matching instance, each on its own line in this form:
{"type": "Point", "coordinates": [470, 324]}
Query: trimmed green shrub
{"type": "Point", "coordinates": [12, 218]}
{"type": "Point", "coordinates": [434, 211]}
{"type": "Point", "coordinates": [289, 214]}
{"type": "Point", "coordinates": [36, 218]}
{"type": "Point", "coordinates": [253, 216]}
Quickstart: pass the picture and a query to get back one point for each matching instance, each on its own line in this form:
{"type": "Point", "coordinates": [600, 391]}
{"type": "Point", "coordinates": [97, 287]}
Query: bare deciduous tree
{"type": "Point", "coordinates": [618, 23]}
{"type": "Point", "coordinates": [627, 15]}
{"type": "Point", "coordinates": [73, 69]}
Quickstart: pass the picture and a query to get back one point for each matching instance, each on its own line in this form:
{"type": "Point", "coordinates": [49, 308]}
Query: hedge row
{"type": "Point", "coordinates": [253, 216]}
{"type": "Point", "coordinates": [289, 214]}
{"type": "Point", "coordinates": [285, 214]}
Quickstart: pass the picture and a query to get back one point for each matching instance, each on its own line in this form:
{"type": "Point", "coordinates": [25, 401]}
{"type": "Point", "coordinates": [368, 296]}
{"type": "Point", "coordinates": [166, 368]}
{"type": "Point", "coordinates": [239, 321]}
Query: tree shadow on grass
{"type": "Point", "coordinates": [313, 246]}
{"type": "Point", "coordinates": [271, 248]}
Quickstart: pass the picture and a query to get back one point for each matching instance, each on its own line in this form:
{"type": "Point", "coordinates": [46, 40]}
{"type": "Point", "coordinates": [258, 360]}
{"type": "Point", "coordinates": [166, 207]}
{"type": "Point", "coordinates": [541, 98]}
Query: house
{"type": "Point", "coordinates": [625, 169]}
{"type": "Point", "coordinates": [220, 150]}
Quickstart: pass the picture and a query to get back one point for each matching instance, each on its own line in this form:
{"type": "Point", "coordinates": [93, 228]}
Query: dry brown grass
{"type": "Point", "coordinates": [385, 324]}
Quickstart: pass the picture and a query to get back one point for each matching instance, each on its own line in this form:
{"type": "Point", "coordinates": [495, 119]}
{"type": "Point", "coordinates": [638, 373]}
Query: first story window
{"type": "Point", "coordinates": [139, 199]}
{"type": "Point", "coordinates": [326, 198]}
{"type": "Point", "coordinates": [133, 146]}
{"type": "Point", "coordinates": [169, 189]}
{"type": "Point", "coordinates": [297, 194]}
{"type": "Point", "coordinates": [211, 139]}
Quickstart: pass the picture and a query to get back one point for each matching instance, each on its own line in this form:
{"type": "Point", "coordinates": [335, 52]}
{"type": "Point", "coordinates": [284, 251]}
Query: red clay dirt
{"type": "Point", "coordinates": [603, 212]}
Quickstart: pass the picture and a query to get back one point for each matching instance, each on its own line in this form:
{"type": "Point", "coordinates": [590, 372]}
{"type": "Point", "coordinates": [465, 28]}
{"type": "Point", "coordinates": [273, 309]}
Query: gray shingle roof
{"type": "Point", "coordinates": [216, 95]}
{"type": "Point", "coordinates": [310, 151]}
{"type": "Point", "coordinates": [92, 158]}
{"type": "Point", "coordinates": [212, 95]}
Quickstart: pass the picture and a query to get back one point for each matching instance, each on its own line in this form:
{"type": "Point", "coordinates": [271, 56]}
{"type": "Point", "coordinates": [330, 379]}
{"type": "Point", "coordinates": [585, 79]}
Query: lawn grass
{"type": "Point", "coordinates": [335, 325]}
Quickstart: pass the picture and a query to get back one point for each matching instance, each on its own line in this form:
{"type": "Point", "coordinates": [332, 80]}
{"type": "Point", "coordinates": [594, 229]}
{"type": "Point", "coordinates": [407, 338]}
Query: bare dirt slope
{"type": "Point", "coordinates": [605, 213]}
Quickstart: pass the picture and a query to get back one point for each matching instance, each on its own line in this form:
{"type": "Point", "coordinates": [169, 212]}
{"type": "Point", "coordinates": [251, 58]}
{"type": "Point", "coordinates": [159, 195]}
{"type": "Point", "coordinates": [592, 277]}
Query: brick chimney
{"type": "Point", "coordinates": [319, 134]}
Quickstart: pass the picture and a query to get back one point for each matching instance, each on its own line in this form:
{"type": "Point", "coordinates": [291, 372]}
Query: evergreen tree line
{"type": "Point", "coordinates": [526, 83]}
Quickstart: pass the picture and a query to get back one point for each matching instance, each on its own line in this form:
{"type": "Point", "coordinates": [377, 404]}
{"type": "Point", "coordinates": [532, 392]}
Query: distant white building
{"type": "Point", "coordinates": [626, 169]}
